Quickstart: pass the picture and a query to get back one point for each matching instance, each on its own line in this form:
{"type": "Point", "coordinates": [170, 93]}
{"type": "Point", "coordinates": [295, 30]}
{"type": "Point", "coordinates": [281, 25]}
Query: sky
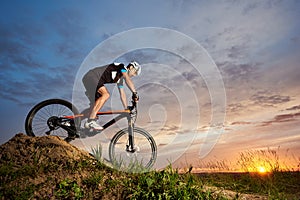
{"type": "Point", "coordinates": [218, 78]}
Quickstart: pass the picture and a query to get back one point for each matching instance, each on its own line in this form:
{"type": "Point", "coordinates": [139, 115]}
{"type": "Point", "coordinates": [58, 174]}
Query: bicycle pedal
{"type": "Point", "coordinates": [97, 131]}
{"type": "Point", "coordinates": [91, 132]}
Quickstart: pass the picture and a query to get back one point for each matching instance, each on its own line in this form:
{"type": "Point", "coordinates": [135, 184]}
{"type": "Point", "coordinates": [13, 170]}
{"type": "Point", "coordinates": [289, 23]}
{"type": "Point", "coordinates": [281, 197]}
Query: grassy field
{"type": "Point", "coordinates": [48, 168]}
{"type": "Point", "coordinates": [274, 185]}
{"type": "Point", "coordinates": [101, 182]}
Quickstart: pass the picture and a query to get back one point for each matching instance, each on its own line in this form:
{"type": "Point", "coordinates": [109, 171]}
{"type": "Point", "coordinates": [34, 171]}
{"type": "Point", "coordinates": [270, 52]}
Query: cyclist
{"type": "Point", "coordinates": [97, 93]}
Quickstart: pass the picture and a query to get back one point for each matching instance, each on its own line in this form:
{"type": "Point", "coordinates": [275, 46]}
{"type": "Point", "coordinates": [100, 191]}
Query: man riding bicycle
{"type": "Point", "coordinates": [97, 93]}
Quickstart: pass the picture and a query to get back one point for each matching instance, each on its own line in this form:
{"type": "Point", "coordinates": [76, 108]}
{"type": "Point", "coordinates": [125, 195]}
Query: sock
{"type": "Point", "coordinates": [89, 120]}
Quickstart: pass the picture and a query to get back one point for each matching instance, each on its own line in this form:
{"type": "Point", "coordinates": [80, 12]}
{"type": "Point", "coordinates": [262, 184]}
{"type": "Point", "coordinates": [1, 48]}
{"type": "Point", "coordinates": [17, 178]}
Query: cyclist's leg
{"type": "Point", "coordinates": [90, 83]}
{"type": "Point", "coordinates": [91, 122]}
{"type": "Point", "coordinates": [103, 95]}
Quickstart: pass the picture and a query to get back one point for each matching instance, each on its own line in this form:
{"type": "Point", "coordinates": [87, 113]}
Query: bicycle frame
{"type": "Point", "coordinates": [121, 114]}
{"type": "Point", "coordinates": [59, 117]}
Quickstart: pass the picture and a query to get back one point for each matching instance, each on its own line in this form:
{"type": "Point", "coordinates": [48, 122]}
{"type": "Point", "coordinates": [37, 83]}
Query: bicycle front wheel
{"type": "Point", "coordinates": [41, 118]}
{"type": "Point", "coordinates": [141, 159]}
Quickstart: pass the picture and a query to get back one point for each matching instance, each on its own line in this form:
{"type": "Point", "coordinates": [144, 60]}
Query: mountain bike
{"type": "Point", "coordinates": [129, 146]}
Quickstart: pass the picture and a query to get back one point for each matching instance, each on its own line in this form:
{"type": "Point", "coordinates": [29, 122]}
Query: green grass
{"type": "Point", "coordinates": [91, 179]}
{"type": "Point", "coordinates": [68, 189]}
{"type": "Point", "coordinates": [97, 152]}
{"type": "Point", "coordinates": [166, 184]}
{"type": "Point", "coordinates": [278, 185]}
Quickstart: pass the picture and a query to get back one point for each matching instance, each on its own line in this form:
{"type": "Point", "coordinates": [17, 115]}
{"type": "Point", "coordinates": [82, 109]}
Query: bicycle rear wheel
{"type": "Point", "coordinates": [142, 159]}
{"type": "Point", "coordinates": [41, 118]}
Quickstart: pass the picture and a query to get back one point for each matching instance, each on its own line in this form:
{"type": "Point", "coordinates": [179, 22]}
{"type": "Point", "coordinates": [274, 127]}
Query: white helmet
{"type": "Point", "coordinates": [136, 66]}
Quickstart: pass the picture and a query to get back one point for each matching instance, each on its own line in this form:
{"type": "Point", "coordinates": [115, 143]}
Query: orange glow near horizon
{"type": "Point", "coordinates": [263, 162]}
{"type": "Point", "coordinates": [261, 169]}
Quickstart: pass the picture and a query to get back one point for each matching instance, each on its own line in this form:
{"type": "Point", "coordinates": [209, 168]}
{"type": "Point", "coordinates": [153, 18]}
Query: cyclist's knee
{"type": "Point", "coordinates": [105, 95]}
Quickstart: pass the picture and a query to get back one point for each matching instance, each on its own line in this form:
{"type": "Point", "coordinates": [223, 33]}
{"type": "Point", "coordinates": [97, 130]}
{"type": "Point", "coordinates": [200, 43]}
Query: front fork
{"type": "Point", "coordinates": [130, 146]}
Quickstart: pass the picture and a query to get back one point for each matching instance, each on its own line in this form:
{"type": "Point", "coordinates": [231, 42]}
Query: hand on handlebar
{"type": "Point", "coordinates": [133, 106]}
{"type": "Point", "coordinates": [129, 108]}
{"type": "Point", "coordinates": [135, 97]}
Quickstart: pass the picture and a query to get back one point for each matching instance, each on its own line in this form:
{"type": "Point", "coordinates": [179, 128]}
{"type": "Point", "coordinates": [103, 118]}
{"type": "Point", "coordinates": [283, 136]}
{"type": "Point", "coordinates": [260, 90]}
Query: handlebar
{"type": "Point", "coordinates": [133, 106]}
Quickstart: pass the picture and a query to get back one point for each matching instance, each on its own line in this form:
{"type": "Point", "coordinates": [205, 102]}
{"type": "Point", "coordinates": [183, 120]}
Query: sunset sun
{"type": "Point", "coordinates": [261, 169]}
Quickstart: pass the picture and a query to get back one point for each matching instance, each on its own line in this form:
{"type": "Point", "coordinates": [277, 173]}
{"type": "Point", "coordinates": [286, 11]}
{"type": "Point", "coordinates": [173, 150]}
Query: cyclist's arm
{"type": "Point", "coordinates": [129, 82]}
{"type": "Point", "coordinates": [122, 93]}
{"type": "Point", "coordinates": [123, 97]}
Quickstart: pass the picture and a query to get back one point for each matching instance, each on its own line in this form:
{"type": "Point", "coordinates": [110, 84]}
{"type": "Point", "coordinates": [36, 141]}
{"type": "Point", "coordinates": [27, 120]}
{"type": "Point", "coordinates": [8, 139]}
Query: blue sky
{"type": "Point", "coordinates": [254, 44]}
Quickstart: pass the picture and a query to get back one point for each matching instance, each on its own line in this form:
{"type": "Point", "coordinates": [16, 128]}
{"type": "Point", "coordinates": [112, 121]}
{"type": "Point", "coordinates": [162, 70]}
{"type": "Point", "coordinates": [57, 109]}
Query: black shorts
{"type": "Point", "coordinates": [97, 77]}
{"type": "Point", "coordinates": [92, 84]}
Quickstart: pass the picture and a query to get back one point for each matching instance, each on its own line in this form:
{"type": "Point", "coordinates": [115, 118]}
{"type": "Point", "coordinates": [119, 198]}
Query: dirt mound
{"type": "Point", "coordinates": [35, 167]}
{"type": "Point", "coordinates": [23, 149]}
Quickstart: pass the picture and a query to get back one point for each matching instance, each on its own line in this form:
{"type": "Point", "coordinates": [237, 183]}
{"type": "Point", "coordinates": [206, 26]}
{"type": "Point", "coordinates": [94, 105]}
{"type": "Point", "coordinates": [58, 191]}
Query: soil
{"type": "Point", "coordinates": [23, 149]}
{"type": "Point", "coordinates": [41, 161]}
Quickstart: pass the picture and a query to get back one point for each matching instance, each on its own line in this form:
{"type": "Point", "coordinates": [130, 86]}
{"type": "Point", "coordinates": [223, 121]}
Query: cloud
{"type": "Point", "coordinates": [235, 107]}
{"type": "Point", "coordinates": [170, 129]}
{"type": "Point", "coordinates": [240, 30]}
{"type": "Point", "coordinates": [239, 72]}
{"type": "Point", "coordinates": [254, 5]}
{"type": "Point", "coordinates": [241, 123]}
{"type": "Point", "coordinates": [17, 46]}
{"type": "Point", "coordinates": [25, 78]}
{"type": "Point", "coordinates": [70, 31]}
{"type": "Point", "coordinates": [282, 118]}
{"type": "Point", "coordinates": [41, 85]}
{"type": "Point", "coordinates": [262, 98]}
{"type": "Point", "coordinates": [33, 67]}
{"type": "Point", "coordinates": [294, 108]}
